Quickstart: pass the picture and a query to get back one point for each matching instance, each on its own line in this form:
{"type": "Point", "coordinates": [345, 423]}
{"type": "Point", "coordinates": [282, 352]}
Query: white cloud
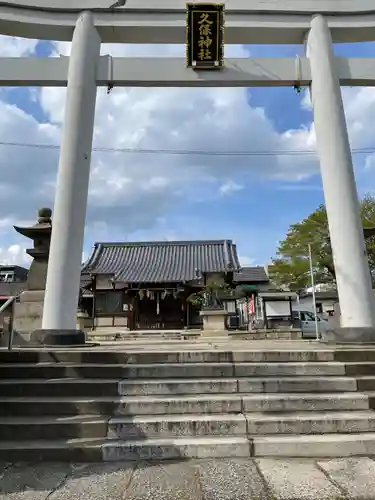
{"type": "Point", "coordinates": [230, 187]}
{"type": "Point", "coordinates": [133, 191]}
{"type": "Point", "coordinates": [15, 254]}
{"type": "Point", "coordinates": [11, 46]}
{"type": "Point", "coordinates": [246, 261]}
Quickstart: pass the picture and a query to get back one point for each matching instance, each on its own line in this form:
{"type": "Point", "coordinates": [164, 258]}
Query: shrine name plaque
{"type": "Point", "coordinates": [204, 36]}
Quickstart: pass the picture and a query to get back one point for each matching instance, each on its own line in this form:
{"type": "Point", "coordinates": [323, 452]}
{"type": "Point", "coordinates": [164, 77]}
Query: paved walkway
{"type": "Point", "coordinates": [227, 479]}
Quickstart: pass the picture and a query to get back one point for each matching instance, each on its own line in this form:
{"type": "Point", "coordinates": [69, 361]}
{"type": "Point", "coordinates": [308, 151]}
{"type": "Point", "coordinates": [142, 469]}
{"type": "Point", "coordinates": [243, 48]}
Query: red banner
{"type": "Point", "coordinates": [251, 305]}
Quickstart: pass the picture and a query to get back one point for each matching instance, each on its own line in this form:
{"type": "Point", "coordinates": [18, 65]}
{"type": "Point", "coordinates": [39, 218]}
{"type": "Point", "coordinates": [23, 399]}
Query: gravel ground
{"type": "Point", "coordinates": [225, 479]}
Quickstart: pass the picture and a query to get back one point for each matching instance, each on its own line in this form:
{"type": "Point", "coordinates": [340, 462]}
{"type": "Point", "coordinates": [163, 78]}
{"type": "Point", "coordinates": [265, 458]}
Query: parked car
{"type": "Point", "coordinates": [306, 321]}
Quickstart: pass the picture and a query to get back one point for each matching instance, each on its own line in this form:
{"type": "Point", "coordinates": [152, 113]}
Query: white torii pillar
{"type": "Point", "coordinates": [347, 240]}
{"type": "Point", "coordinates": [65, 258]}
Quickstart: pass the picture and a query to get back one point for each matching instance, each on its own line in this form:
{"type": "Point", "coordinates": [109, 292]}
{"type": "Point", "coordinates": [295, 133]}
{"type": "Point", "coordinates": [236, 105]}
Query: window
{"type": "Point", "coordinates": [6, 276]}
{"type": "Point", "coordinates": [230, 306]}
{"type": "Point", "coordinates": [309, 316]}
{"type": "Point", "coordinates": [109, 302]}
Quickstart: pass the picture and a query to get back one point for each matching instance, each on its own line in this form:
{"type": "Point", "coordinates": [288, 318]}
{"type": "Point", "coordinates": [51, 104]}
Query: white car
{"type": "Point", "coordinates": [307, 321]}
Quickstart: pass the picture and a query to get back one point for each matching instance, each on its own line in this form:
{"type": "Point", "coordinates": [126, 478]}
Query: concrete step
{"type": "Point", "coordinates": [311, 402]}
{"type": "Point", "coordinates": [139, 355]}
{"type": "Point", "coordinates": [195, 403]}
{"type": "Point", "coordinates": [62, 450]}
{"type": "Point", "coordinates": [311, 422]}
{"type": "Point", "coordinates": [360, 368]}
{"type": "Point", "coordinates": [160, 426]}
{"type": "Point", "coordinates": [173, 370]}
{"type": "Point", "coordinates": [74, 387]}
{"type": "Point", "coordinates": [355, 355]}
{"type": "Point", "coordinates": [227, 425]}
{"type": "Point", "coordinates": [97, 450]}
{"type": "Point", "coordinates": [134, 427]}
{"type": "Point", "coordinates": [117, 371]}
{"type": "Point", "coordinates": [70, 387]}
{"type": "Point", "coordinates": [176, 448]}
{"type": "Point", "coordinates": [366, 382]}
{"type": "Point", "coordinates": [137, 405]}
{"type": "Point", "coordinates": [240, 385]}
{"type": "Point", "coordinates": [50, 428]}
{"type": "Point", "coordinates": [314, 446]}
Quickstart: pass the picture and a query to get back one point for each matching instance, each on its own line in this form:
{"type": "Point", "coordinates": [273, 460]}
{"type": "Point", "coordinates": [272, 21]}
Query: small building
{"type": "Point", "coordinates": [251, 280]}
{"type": "Point", "coordinates": [12, 281]}
{"type": "Point", "coordinates": [146, 285]}
{"type": "Point", "coordinates": [277, 309]}
{"type": "Point", "coordinates": [13, 274]}
{"type": "Point", "coordinates": [326, 302]}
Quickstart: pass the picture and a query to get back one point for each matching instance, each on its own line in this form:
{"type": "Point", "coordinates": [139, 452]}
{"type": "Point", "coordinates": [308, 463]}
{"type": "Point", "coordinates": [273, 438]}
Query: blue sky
{"type": "Point", "coordinates": [251, 200]}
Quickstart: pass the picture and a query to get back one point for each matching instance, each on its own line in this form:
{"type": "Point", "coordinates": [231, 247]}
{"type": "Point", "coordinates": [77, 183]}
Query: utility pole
{"type": "Point", "coordinates": [313, 293]}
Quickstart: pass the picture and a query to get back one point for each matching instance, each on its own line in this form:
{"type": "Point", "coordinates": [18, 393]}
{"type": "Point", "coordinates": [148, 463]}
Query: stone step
{"type": "Point", "coordinates": [62, 450]}
{"type": "Point", "coordinates": [160, 426]}
{"type": "Point", "coordinates": [141, 427]}
{"type": "Point", "coordinates": [240, 385]}
{"type": "Point", "coordinates": [355, 354]}
{"type": "Point", "coordinates": [174, 370]}
{"type": "Point", "coordinates": [118, 371]}
{"type": "Point", "coordinates": [50, 428]}
{"type": "Point", "coordinates": [314, 446]}
{"type": "Point", "coordinates": [366, 382]}
{"type": "Point", "coordinates": [134, 427]}
{"type": "Point", "coordinates": [199, 404]}
{"type": "Point", "coordinates": [177, 355]}
{"type": "Point", "coordinates": [287, 402]}
{"type": "Point", "coordinates": [98, 450]}
{"type": "Point", "coordinates": [137, 405]}
{"type": "Point", "coordinates": [110, 387]}
{"type": "Point", "coordinates": [311, 422]}
{"type": "Point", "coordinates": [69, 387]}
{"type": "Point", "coordinates": [360, 368]}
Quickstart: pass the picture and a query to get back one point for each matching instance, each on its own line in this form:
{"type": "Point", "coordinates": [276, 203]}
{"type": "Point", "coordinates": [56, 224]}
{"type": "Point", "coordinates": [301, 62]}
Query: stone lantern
{"type": "Point", "coordinates": [29, 307]}
{"type": "Point", "coordinates": [40, 234]}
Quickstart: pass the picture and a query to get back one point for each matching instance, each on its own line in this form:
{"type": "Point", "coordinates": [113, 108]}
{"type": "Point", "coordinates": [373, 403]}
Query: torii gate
{"type": "Point", "coordinates": [88, 23]}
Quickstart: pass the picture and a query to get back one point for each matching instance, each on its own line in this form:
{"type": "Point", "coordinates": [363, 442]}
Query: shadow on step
{"type": "Point", "coordinates": [77, 420]}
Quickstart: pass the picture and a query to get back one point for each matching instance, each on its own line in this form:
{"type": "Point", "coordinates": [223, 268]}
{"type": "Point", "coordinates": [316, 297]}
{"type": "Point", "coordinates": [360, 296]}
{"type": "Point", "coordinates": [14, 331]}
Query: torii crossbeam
{"type": "Point", "coordinates": [89, 23]}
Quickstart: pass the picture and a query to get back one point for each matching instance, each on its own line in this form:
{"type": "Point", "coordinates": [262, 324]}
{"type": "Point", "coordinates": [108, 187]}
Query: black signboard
{"type": "Point", "coordinates": [204, 35]}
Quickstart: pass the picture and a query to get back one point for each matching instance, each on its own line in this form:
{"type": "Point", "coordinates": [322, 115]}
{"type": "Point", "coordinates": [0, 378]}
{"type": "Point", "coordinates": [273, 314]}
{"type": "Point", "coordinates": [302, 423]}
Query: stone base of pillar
{"type": "Point", "coordinates": [214, 321]}
{"type": "Point", "coordinates": [343, 335]}
{"type": "Point", "coordinates": [58, 337]}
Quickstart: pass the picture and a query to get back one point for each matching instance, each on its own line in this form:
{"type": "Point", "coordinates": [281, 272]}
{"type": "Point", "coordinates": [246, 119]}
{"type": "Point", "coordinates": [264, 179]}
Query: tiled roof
{"type": "Point", "coordinates": [165, 261]}
{"type": "Point", "coordinates": [322, 295]}
{"type": "Point", "coordinates": [251, 274]}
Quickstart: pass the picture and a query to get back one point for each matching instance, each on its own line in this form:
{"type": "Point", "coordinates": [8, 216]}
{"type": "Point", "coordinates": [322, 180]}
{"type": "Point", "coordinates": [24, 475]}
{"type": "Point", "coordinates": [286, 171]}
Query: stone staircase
{"type": "Point", "coordinates": [95, 405]}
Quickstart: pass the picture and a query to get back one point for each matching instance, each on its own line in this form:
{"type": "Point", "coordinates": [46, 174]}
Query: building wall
{"type": "Point", "coordinates": [323, 305]}
{"type": "Point", "coordinates": [103, 282]}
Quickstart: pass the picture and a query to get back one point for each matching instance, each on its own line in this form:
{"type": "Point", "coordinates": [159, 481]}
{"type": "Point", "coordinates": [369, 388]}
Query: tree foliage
{"type": "Point", "coordinates": [291, 269]}
{"type": "Point", "coordinates": [212, 294]}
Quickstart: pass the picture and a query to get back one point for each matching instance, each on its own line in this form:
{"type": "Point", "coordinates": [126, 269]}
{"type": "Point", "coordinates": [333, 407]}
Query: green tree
{"type": "Point", "coordinates": [212, 294]}
{"type": "Point", "coordinates": [290, 268]}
